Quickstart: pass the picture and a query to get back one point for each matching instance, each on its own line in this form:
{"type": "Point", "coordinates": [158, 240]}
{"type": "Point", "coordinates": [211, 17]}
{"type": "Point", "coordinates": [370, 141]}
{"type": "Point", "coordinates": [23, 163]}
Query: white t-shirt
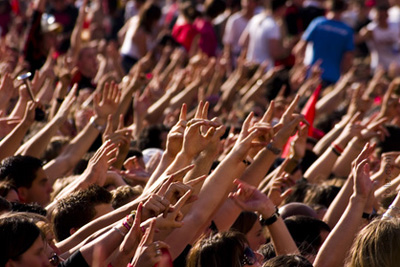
{"type": "Point", "coordinates": [233, 30]}
{"type": "Point", "coordinates": [384, 46]}
{"type": "Point", "coordinates": [261, 29]}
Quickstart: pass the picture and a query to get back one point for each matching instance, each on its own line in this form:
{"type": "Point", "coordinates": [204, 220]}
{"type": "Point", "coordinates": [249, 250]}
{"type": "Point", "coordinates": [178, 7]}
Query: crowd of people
{"type": "Point", "coordinates": [216, 133]}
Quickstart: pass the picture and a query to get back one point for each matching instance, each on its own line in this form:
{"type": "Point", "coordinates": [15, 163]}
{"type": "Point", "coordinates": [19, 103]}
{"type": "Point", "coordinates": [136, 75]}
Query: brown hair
{"type": "Point", "coordinates": [377, 245]}
{"type": "Point", "coordinates": [220, 250]}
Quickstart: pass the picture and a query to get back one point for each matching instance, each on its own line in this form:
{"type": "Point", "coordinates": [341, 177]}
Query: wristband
{"type": "Point", "coordinates": [273, 149]}
{"type": "Point", "coordinates": [128, 221]}
{"type": "Point", "coordinates": [337, 153]}
{"type": "Point", "coordinates": [274, 217]}
{"type": "Point", "coordinates": [59, 100]}
{"type": "Point", "coordinates": [119, 231]}
{"type": "Point", "coordinates": [338, 148]}
{"type": "Point", "coordinates": [100, 128]}
{"type": "Point", "coordinates": [126, 225]}
{"type": "Point", "coordinates": [366, 216]}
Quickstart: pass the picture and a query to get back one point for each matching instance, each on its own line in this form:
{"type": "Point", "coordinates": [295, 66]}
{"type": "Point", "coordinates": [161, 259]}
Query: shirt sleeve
{"type": "Point", "coordinates": [228, 36]}
{"type": "Point", "coordinates": [350, 41]}
{"type": "Point", "coordinates": [310, 31]}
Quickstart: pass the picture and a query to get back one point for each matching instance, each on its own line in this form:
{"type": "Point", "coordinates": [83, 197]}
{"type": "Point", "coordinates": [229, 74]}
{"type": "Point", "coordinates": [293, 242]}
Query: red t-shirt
{"type": "Point", "coordinates": [184, 34]}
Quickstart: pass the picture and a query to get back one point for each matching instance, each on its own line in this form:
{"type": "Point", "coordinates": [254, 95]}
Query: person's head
{"type": "Point", "coordinates": [278, 7]}
{"type": "Point", "coordinates": [308, 233]}
{"type": "Point", "coordinates": [78, 209]}
{"type": "Point", "coordinates": [288, 261]}
{"type": "Point", "coordinates": [223, 249]}
{"type": "Point", "coordinates": [189, 11]}
{"type": "Point", "coordinates": [55, 147]}
{"type": "Point", "coordinates": [125, 194]}
{"type": "Point", "coordinates": [27, 175]}
{"type": "Point", "coordinates": [296, 208]}
{"type": "Point", "coordinates": [22, 243]}
{"type": "Point", "coordinates": [149, 15]}
{"type": "Point", "coordinates": [337, 6]}
{"type": "Point", "coordinates": [377, 245]}
{"type": "Point", "coordinates": [248, 223]}
{"type": "Point", "coordinates": [154, 136]}
{"type": "Point", "coordinates": [87, 62]}
{"type": "Point", "coordinates": [213, 8]}
{"type": "Point", "coordinates": [382, 13]}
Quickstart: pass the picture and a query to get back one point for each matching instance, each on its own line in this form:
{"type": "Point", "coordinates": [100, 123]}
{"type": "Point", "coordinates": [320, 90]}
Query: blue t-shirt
{"type": "Point", "coordinates": [330, 39]}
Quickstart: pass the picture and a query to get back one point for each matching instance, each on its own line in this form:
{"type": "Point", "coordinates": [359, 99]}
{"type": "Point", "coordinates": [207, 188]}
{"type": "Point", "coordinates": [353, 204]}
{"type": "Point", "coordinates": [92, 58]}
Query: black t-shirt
{"type": "Point", "coordinates": [75, 260]}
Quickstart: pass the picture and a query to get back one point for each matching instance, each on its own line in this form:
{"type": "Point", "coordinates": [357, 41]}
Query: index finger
{"type": "Point", "coordinates": [182, 115]}
{"type": "Point", "coordinates": [199, 111]}
{"type": "Point", "coordinates": [178, 175]}
{"type": "Point", "coordinates": [164, 186]}
{"type": "Point", "coordinates": [196, 181]}
{"type": "Point", "coordinates": [149, 235]}
{"type": "Point", "coordinates": [289, 111]}
{"type": "Point", "coordinates": [179, 204]}
{"type": "Point", "coordinates": [269, 113]}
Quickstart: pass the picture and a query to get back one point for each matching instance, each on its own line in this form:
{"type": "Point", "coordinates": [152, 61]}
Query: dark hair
{"type": "Point", "coordinates": [20, 170]}
{"type": "Point", "coordinates": [244, 222]}
{"type": "Point", "coordinates": [213, 8]}
{"type": "Point", "coordinates": [220, 250]}
{"type": "Point", "coordinates": [275, 4]}
{"type": "Point", "coordinates": [17, 235]}
{"type": "Point", "coordinates": [125, 194]}
{"type": "Point", "coordinates": [306, 233]}
{"type": "Point", "coordinates": [150, 137]}
{"type": "Point", "coordinates": [268, 251]}
{"type": "Point", "coordinates": [338, 5]}
{"type": "Point", "coordinates": [391, 142]}
{"type": "Point", "coordinates": [148, 14]}
{"type": "Point", "coordinates": [189, 11]}
{"type": "Point", "coordinates": [4, 205]}
{"type": "Point", "coordinates": [288, 261]}
{"type": "Point", "coordinates": [30, 208]}
{"type": "Point", "coordinates": [77, 210]}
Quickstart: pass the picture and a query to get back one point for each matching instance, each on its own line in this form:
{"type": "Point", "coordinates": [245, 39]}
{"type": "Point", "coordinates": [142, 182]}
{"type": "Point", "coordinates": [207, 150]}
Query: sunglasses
{"type": "Point", "coordinates": [54, 259]}
{"type": "Point", "coordinates": [249, 258]}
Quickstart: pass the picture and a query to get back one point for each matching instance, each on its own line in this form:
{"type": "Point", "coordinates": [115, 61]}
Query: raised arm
{"type": "Point", "coordinates": [37, 144]}
{"type": "Point", "coordinates": [104, 104]}
{"type": "Point", "coordinates": [334, 250]}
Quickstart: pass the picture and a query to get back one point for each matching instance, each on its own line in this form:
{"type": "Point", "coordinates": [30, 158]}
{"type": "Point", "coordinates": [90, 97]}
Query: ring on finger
{"type": "Point", "coordinates": [158, 252]}
{"type": "Point", "coordinates": [157, 246]}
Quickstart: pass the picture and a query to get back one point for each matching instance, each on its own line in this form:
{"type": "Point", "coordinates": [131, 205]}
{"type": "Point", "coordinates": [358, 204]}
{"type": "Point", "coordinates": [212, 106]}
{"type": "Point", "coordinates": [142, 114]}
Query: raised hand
{"type": "Point", "coordinates": [96, 172]}
{"type": "Point", "coordinates": [173, 218]}
{"type": "Point", "coordinates": [250, 198]}
{"type": "Point", "coordinates": [106, 102]}
{"type": "Point", "coordinates": [148, 252]}
{"type": "Point", "coordinates": [175, 135]}
{"type": "Point", "coordinates": [288, 124]}
{"type": "Point", "coordinates": [363, 186]}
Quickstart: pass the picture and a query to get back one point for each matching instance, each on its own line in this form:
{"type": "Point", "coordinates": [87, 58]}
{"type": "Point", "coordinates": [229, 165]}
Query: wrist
{"type": "Point", "coordinates": [98, 123]}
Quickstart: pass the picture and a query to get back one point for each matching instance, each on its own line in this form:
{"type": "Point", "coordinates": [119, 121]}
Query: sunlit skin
{"type": "Point", "coordinates": [255, 236]}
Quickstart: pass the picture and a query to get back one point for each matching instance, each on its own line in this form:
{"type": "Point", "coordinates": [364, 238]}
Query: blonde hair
{"type": "Point", "coordinates": [377, 245]}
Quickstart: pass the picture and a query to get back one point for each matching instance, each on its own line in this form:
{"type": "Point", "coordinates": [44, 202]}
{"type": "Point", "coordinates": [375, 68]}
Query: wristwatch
{"type": "Point", "coordinates": [270, 220]}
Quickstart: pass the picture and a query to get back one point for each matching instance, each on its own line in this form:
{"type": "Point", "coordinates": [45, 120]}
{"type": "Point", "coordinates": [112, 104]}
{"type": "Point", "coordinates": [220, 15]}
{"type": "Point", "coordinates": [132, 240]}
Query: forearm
{"type": "Point", "coordinates": [10, 143]}
{"type": "Point", "coordinates": [19, 109]}
{"type": "Point", "coordinates": [155, 111]}
{"type": "Point", "coordinates": [334, 250]}
{"type": "Point", "coordinates": [97, 224]}
{"type": "Point", "coordinates": [331, 101]}
{"type": "Point", "coordinates": [339, 204]}
{"type": "Point", "coordinates": [342, 166]}
{"type": "Point", "coordinates": [186, 96]}
{"type": "Point", "coordinates": [73, 152]}
{"type": "Point", "coordinates": [166, 160]}
{"type": "Point", "coordinates": [213, 193]}
{"type": "Point", "coordinates": [36, 145]}
{"type": "Point", "coordinates": [324, 143]}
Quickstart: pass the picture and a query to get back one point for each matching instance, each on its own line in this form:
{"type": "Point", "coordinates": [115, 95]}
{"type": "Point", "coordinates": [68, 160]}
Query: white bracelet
{"type": "Point", "coordinates": [95, 125]}
{"type": "Point", "coordinates": [119, 231]}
